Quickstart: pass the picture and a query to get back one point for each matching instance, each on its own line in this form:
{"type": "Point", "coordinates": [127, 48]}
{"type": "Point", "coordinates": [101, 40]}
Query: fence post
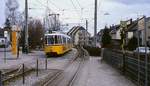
{"type": "Point", "coordinates": [37, 67]}
{"type": "Point", "coordinates": [46, 63]}
{"type": "Point", "coordinates": [124, 63]}
{"type": "Point", "coordinates": [1, 78]}
{"type": "Point", "coordinates": [18, 50]}
{"type": "Point", "coordinates": [23, 74]}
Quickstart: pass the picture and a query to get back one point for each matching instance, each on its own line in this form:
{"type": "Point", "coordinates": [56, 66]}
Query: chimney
{"type": "Point", "coordinates": [131, 21]}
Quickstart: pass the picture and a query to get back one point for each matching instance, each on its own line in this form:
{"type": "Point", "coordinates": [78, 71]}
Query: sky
{"type": "Point", "coordinates": [77, 11]}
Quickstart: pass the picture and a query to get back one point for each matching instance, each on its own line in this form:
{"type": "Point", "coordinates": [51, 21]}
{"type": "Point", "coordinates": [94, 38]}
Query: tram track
{"type": "Point", "coordinates": [81, 63]}
{"type": "Point", "coordinates": [15, 74]}
{"type": "Point", "coordinates": [72, 80]}
{"type": "Point", "coordinates": [64, 78]}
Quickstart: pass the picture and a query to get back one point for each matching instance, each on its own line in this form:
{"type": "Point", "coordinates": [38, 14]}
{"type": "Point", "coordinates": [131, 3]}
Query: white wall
{"type": "Point", "coordinates": [130, 35]}
{"type": "Point", "coordinates": [76, 38]}
{"type": "Point", "coordinates": [118, 34]}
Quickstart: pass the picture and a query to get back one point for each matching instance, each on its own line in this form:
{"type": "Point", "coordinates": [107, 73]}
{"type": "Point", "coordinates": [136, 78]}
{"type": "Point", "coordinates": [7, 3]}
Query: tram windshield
{"type": "Point", "coordinates": [50, 40]}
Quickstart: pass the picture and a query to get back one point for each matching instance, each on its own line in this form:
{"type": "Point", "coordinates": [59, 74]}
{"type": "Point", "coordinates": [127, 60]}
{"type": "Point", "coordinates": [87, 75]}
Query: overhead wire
{"type": "Point", "coordinates": [81, 9]}
{"type": "Point", "coordinates": [79, 4]}
{"type": "Point", "coordinates": [54, 5]}
{"type": "Point", "coordinates": [99, 6]}
{"type": "Point", "coordinates": [44, 5]}
{"type": "Point", "coordinates": [74, 7]}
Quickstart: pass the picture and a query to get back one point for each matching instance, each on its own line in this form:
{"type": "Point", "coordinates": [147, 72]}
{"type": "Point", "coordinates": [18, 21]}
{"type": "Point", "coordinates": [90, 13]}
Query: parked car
{"type": "Point", "coordinates": [142, 50]}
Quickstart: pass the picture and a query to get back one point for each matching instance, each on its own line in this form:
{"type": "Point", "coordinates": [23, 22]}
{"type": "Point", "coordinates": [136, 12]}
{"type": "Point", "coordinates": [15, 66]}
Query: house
{"type": "Point", "coordinates": [115, 32]}
{"type": "Point", "coordinates": [79, 35]}
{"type": "Point", "coordinates": [144, 23]}
{"type": "Point", "coordinates": [4, 37]}
{"type": "Point", "coordinates": [130, 30]}
{"type": "Point", "coordinates": [99, 36]}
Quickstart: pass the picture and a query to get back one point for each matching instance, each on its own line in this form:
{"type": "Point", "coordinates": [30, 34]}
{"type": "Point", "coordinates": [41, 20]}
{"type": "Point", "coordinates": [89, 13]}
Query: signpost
{"type": "Point", "coordinates": [5, 50]}
{"type": "Point", "coordinates": [5, 43]}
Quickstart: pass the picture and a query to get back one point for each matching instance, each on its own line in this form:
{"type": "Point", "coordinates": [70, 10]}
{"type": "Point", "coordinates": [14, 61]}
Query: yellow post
{"type": "Point", "coordinates": [14, 42]}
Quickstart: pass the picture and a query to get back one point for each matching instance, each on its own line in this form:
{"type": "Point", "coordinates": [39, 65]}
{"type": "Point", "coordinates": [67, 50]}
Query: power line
{"type": "Point", "coordinates": [81, 8]}
{"type": "Point", "coordinates": [44, 5]}
{"type": "Point", "coordinates": [79, 4]}
{"type": "Point", "coordinates": [99, 5]}
{"type": "Point", "coordinates": [54, 4]}
{"type": "Point", "coordinates": [74, 7]}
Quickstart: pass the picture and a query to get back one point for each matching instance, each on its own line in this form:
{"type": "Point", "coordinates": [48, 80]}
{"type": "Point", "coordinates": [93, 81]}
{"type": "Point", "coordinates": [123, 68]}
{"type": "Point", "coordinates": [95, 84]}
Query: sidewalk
{"type": "Point", "coordinates": [30, 59]}
{"type": "Point", "coordinates": [11, 61]}
{"type": "Point", "coordinates": [8, 49]}
{"type": "Point", "coordinates": [95, 73]}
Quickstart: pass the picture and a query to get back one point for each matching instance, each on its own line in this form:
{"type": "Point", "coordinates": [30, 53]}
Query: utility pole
{"type": "Point", "coordinates": [26, 27]}
{"type": "Point", "coordinates": [86, 25]}
{"type": "Point", "coordinates": [95, 23]}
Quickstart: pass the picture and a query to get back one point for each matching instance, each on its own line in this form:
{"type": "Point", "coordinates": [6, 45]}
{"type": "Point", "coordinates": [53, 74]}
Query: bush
{"type": "Point", "coordinates": [132, 44]}
{"type": "Point", "coordinates": [2, 46]}
{"type": "Point", "coordinates": [106, 38]}
{"type": "Point", "coordinates": [93, 51]}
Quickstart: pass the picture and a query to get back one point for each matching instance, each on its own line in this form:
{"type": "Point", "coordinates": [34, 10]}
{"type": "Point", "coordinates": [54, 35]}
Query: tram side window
{"type": "Point", "coordinates": [56, 40]}
{"type": "Point", "coordinates": [67, 40]}
{"type": "Point", "coordinates": [59, 38]}
{"type": "Point", "coordinates": [64, 40]}
{"type": "Point", "coordinates": [61, 41]}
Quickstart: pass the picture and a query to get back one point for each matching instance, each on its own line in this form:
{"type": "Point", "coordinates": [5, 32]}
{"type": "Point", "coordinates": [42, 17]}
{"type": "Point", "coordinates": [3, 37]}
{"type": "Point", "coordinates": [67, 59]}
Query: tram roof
{"type": "Point", "coordinates": [60, 34]}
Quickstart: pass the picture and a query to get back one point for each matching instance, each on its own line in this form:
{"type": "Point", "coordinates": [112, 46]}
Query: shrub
{"type": "Point", "coordinates": [132, 44]}
{"type": "Point", "coordinates": [93, 51]}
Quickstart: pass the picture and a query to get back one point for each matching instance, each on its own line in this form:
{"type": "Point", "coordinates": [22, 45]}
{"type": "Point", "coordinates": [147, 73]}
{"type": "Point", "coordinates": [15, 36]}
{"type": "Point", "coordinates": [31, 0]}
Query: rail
{"type": "Point", "coordinates": [84, 54]}
{"type": "Point", "coordinates": [75, 73]}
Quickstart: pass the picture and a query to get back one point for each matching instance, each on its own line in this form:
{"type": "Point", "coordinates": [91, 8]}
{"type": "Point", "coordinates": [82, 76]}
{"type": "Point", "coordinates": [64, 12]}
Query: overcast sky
{"type": "Point", "coordinates": [69, 13]}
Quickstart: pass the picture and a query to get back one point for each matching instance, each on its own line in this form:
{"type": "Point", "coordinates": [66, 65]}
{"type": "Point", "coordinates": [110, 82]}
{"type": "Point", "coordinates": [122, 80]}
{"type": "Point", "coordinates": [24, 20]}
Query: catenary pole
{"type": "Point", "coordinates": [26, 27]}
{"type": "Point", "coordinates": [86, 25]}
{"type": "Point", "coordinates": [95, 23]}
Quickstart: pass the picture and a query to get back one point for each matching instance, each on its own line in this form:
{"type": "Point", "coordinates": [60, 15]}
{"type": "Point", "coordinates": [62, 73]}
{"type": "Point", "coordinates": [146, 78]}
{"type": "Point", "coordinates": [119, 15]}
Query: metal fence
{"type": "Point", "coordinates": [129, 65]}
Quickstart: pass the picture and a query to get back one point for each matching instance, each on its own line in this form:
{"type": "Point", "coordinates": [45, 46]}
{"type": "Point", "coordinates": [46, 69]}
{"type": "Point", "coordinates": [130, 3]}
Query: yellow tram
{"type": "Point", "coordinates": [57, 44]}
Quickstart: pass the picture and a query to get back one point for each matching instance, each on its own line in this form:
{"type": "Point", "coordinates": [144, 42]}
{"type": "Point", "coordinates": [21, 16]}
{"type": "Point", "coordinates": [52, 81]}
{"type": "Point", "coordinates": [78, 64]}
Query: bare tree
{"type": "Point", "coordinates": [36, 33]}
{"type": "Point", "coordinates": [11, 11]}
